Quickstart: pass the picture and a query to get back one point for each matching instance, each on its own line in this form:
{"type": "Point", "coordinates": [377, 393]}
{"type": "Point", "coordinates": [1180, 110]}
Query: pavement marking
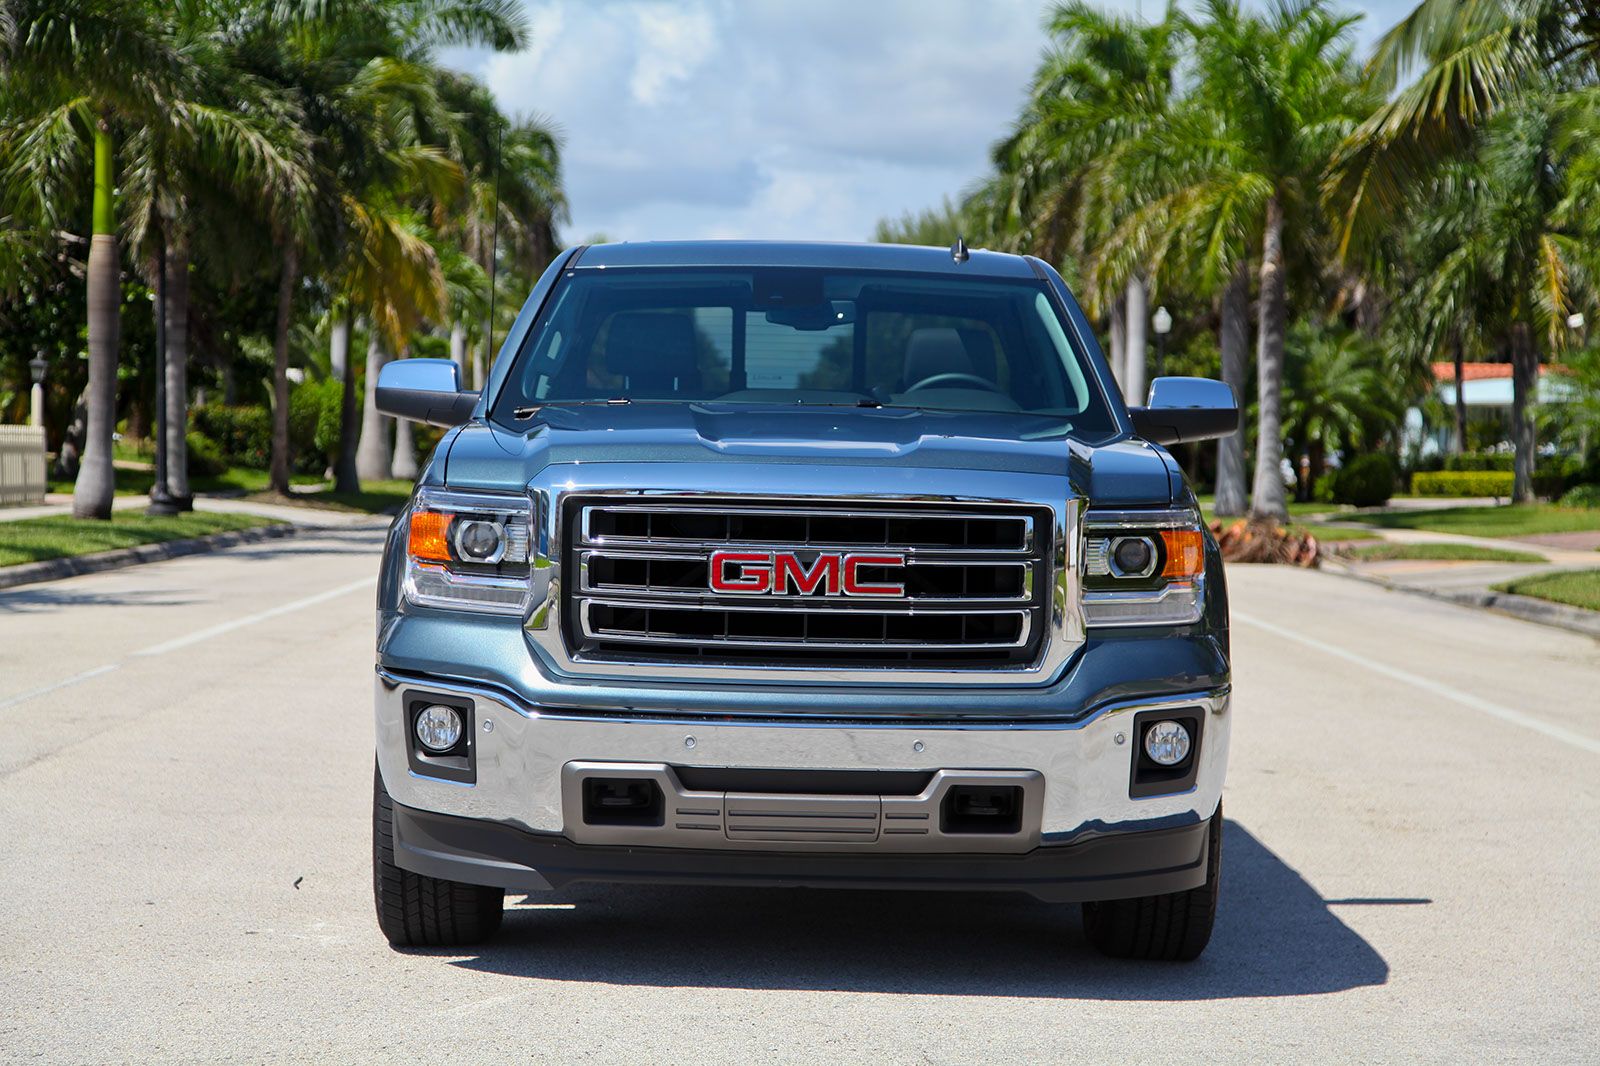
{"type": "Point", "coordinates": [1438, 688]}
{"type": "Point", "coordinates": [194, 638]}
{"type": "Point", "coordinates": [73, 680]}
{"type": "Point", "coordinates": [251, 619]}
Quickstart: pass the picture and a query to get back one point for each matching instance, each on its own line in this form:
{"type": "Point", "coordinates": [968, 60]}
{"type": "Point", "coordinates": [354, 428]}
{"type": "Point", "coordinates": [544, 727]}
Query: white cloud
{"type": "Point", "coordinates": [695, 118]}
{"type": "Point", "coordinates": [672, 44]}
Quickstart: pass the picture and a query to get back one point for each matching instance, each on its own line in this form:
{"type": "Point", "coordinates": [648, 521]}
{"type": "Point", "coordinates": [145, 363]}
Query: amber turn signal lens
{"type": "Point", "coordinates": [1186, 552]}
{"type": "Point", "coordinates": [429, 539]}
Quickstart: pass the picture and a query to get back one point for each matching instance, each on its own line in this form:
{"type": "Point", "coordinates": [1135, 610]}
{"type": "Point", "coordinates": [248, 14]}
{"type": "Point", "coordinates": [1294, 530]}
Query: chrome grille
{"type": "Point", "coordinates": [974, 581]}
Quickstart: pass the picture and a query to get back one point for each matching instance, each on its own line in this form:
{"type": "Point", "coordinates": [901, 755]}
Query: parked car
{"type": "Point", "coordinates": [802, 564]}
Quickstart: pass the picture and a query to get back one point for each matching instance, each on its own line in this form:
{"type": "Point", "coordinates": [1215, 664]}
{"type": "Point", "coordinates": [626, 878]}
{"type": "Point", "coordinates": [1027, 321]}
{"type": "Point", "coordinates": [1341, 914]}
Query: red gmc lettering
{"type": "Point", "coordinates": [853, 585]}
{"type": "Point", "coordinates": [777, 573]}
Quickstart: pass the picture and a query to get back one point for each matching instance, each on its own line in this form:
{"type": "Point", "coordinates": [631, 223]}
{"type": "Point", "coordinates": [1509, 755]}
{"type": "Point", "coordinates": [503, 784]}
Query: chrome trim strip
{"type": "Point", "coordinates": [634, 636]}
{"type": "Point", "coordinates": [1175, 518]}
{"type": "Point", "coordinates": [1213, 700]}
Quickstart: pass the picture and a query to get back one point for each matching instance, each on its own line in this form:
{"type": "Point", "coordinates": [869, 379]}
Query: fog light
{"type": "Point", "coordinates": [439, 728]}
{"type": "Point", "coordinates": [1167, 743]}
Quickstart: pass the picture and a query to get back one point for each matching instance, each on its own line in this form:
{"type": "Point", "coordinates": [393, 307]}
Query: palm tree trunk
{"type": "Point", "coordinates": [458, 348]}
{"type": "Point", "coordinates": [96, 484]}
{"type": "Point", "coordinates": [345, 477]}
{"type": "Point", "coordinates": [1134, 358]}
{"type": "Point", "coordinates": [1461, 402]}
{"type": "Point", "coordinates": [1119, 342]}
{"type": "Point", "coordinates": [478, 361]}
{"type": "Point", "coordinates": [177, 282]}
{"type": "Point", "coordinates": [339, 345]}
{"type": "Point", "coordinates": [1268, 499]}
{"type": "Point", "coordinates": [372, 454]}
{"type": "Point", "coordinates": [403, 467]}
{"type": "Point", "coordinates": [279, 473]}
{"type": "Point", "coordinates": [1235, 340]}
{"type": "Point", "coordinates": [1524, 380]}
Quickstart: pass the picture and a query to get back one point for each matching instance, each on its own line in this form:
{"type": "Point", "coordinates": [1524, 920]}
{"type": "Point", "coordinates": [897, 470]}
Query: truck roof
{"type": "Point", "coordinates": [840, 255]}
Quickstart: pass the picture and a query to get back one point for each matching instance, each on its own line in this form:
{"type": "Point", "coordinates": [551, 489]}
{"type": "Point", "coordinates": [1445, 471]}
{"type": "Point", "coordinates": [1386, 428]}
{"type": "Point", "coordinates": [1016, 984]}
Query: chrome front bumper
{"type": "Point", "coordinates": [523, 753]}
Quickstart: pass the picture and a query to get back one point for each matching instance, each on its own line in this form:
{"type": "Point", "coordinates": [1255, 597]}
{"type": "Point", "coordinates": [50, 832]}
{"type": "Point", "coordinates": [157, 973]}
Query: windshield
{"type": "Point", "coordinates": [802, 336]}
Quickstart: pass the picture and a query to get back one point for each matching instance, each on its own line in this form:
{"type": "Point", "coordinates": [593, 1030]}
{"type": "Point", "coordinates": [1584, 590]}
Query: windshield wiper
{"type": "Point", "coordinates": [533, 409]}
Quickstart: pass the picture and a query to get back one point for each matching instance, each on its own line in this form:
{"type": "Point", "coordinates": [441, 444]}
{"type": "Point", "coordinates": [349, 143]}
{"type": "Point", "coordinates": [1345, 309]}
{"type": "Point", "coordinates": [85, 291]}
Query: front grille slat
{"type": "Point", "coordinates": [973, 578]}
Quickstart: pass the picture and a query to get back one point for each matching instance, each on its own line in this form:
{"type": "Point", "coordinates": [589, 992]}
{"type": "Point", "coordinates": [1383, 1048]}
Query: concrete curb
{"type": "Point", "coordinates": [1527, 608]}
{"type": "Point", "coordinates": [117, 559]}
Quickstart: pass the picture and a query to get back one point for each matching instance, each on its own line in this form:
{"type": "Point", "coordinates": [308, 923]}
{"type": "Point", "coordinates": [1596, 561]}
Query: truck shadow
{"type": "Point", "coordinates": [1275, 936]}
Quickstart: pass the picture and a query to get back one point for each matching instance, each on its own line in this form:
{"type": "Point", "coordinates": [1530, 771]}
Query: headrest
{"type": "Point", "coordinates": [652, 348]}
{"type": "Point", "coordinates": [936, 350]}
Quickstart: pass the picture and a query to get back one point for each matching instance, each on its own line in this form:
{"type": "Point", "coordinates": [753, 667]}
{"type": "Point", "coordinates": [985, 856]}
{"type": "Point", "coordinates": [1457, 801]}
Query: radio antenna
{"type": "Point", "coordinates": [494, 254]}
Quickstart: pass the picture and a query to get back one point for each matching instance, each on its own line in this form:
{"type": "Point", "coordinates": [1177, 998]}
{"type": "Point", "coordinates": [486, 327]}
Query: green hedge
{"type": "Point", "coordinates": [1462, 483]}
{"type": "Point", "coordinates": [1586, 496]}
{"type": "Point", "coordinates": [1479, 461]}
{"type": "Point", "coordinates": [1365, 481]}
{"type": "Point", "coordinates": [243, 433]}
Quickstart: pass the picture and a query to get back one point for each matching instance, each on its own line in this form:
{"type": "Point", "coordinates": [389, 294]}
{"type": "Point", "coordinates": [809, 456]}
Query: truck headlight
{"type": "Point", "coordinates": [469, 551]}
{"type": "Point", "coordinates": [1143, 568]}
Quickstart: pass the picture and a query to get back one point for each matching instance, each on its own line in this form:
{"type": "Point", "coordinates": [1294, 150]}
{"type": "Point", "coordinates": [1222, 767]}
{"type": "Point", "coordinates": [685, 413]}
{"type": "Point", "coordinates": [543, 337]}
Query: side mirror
{"type": "Point", "coordinates": [1184, 410]}
{"type": "Point", "coordinates": [425, 390]}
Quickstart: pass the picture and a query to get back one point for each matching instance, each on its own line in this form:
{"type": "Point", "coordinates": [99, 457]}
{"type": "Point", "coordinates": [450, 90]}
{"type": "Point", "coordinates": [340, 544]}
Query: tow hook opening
{"type": "Point", "coordinates": [993, 809]}
{"type": "Point", "coordinates": [622, 801]}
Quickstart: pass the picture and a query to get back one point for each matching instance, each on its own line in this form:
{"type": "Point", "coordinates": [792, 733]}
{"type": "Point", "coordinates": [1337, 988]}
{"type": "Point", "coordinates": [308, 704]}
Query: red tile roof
{"type": "Point", "coordinates": [1480, 371]}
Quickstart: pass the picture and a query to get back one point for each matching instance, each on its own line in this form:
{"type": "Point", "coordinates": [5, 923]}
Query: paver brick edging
{"type": "Point", "coordinates": [117, 558]}
{"type": "Point", "coordinates": [1527, 608]}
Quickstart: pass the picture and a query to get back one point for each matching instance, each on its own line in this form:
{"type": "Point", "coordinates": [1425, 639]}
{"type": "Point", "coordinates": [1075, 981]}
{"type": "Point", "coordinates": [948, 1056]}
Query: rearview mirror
{"type": "Point", "coordinates": [1184, 410]}
{"type": "Point", "coordinates": [425, 390]}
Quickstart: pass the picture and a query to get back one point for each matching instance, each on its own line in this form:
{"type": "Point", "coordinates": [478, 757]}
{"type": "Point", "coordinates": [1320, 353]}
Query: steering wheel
{"type": "Point", "coordinates": [944, 379]}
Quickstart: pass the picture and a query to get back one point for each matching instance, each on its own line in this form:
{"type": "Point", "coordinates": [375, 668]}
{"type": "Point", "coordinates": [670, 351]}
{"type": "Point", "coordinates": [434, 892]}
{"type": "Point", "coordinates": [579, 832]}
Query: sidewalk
{"type": "Point", "coordinates": [57, 503]}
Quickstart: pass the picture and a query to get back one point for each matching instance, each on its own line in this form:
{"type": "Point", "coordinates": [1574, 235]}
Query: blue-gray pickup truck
{"type": "Point", "coordinates": [802, 565]}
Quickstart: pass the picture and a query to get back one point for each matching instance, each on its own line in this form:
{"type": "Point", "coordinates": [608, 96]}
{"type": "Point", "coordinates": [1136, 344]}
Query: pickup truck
{"type": "Point", "coordinates": [806, 565]}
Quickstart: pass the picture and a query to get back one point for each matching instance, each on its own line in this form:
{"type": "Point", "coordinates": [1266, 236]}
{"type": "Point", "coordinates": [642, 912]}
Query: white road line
{"type": "Point", "coordinates": [1466, 699]}
{"type": "Point", "coordinates": [251, 619]}
{"type": "Point", "coordinates": [73, 680]}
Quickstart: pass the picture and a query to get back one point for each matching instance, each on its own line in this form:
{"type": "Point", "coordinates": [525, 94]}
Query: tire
{"type": "Point", "coordinates": [1174, 927]}
{"type": "Point", "coordinates": [418, 911]}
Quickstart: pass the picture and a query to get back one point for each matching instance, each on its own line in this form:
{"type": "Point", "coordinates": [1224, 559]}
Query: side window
{"type": "Point", "coordinates": [778, 356]}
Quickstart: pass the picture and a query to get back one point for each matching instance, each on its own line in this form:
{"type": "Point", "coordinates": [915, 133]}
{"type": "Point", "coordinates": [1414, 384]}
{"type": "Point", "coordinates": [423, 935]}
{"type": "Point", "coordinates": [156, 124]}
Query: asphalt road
{"type": "Point", "coordinates": [1410, 864]}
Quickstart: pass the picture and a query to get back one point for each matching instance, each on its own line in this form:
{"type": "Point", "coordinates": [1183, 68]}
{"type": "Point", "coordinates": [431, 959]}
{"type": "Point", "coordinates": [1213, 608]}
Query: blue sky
{"type": "Point", "coordinates": [802, 119]}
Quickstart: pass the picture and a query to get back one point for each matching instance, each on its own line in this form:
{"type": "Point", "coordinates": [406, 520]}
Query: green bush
{"type": "Point", "coordinates": [330, 418]}
{"type": "Point", "coordinates": [1323, 490]}
{"type": "Point", "coordinates": [205, 458]}
{"type": "Point", "coordinates": [1478, 462]}
{"type": "Point", "coordinates": [1586, 496]}
{"type": "Point", "coordinates": [308, 404]}
{"type": "Point", "coordinates": [1554, 476]}
{"type": "Point", "coordinates": [1365, 481]}
{"type": "Point", "coordinates": [1463, 483]}
{"type": "Point", "coordinates": [243, 434]}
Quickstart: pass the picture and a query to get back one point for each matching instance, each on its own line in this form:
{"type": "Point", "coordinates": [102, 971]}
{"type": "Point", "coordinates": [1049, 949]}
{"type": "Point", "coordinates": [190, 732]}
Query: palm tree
{"type": "Point", "coordinates": [1105, 82]}
{"type": "Point", "coordinates": [1336, 390]}
{"type": "Point", "coordinates": [1481, 63]}
{"type": "Point", "coordinates": [75, 72]}
{"type": "Point", "coordinates": [1287, 83]}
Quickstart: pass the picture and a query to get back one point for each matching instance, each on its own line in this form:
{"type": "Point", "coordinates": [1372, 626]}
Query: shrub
{"type": "Point", "coordinates": [1323, 491]}
{"type": "Point", "coordinates": [330, 418]}
{"type": "Point", "coordinates": [1463, 483]}
{"type": "Point", "coordinates": [1556, 475]}
{"type": "Point", "coordinates": [243, 434]}
{"type": "Point", "coordinates": [308, 404]}
{"type": "Point", "coordinates": [1587, 496]}
{"type": "Point", "coordinates": [205, 458]}
{"type": "Point", "coordinates": [1479, 461]}
{"type": "Point", "coordinates": [1366, 481]}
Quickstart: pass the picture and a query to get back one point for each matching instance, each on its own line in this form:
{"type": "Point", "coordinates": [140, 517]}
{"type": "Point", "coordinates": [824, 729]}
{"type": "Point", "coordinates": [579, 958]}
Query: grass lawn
{"type": "Point", "coordinates": [375, 497]}
{"type": "Point", "coordinates": [1332, 534]}
{"type": "Point", "coordinates": [32, 539]}
{"type": "Point", "coordinates": [1445, 552]}
{"type": "Point", "coordinates": [234, 479]}
{"type": "Point", "coordinates": [1516, 520]}
{"type": "Point", "coordinates": [1576, 588]}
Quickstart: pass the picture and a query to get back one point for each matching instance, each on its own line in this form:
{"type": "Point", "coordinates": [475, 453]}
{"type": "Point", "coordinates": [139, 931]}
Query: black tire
{"type": "Point", "coordinates": [418, 911]}
{"type": "Point", "coordinates": [1170, 928]}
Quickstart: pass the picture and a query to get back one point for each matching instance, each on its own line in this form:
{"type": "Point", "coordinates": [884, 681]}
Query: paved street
{"type": "Point", "coordinates": [1410, 863]}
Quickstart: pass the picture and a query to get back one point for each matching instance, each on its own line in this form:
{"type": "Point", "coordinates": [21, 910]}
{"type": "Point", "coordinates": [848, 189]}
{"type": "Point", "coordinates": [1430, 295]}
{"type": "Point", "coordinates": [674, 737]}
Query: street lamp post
{"type": "Point", "coordinates": [1161, 322]}
{"type": "Point", "coordinates": [36, 367]}
{"type": "Point", "coordinates": [161, 500]}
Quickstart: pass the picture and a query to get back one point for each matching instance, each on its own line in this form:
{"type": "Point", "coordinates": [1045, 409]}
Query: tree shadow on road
{"type": "Point", "coordinates": [1275, 936]}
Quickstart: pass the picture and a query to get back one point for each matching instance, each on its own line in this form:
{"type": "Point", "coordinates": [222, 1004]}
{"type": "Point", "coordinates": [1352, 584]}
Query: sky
{"type": "Point", "coordinates": [799, 119]}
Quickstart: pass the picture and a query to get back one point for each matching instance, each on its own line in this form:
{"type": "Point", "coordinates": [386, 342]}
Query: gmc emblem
{"type": "Point", "coordinates": [777, 573]}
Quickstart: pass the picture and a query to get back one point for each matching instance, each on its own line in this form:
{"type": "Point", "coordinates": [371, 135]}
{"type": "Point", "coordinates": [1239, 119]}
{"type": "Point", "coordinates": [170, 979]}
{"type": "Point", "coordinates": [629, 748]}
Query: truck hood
{"type": "Point", "coordinates": [485, 455]}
